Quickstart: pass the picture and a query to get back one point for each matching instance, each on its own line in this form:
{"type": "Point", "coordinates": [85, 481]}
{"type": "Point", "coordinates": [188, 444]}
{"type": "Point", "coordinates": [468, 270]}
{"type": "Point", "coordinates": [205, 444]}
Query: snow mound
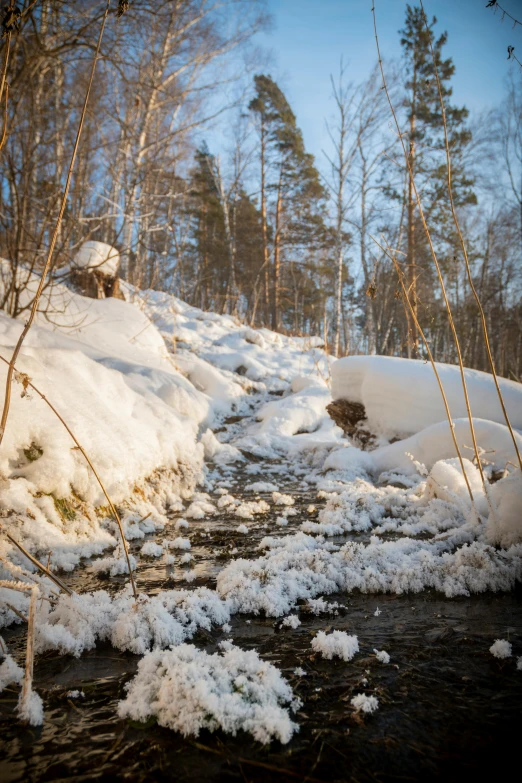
{"type": "Point", "coordinates": [188, 690]}
{"type": "Point", "coordinates": [99, 257]}
{"type": "Point", "coordinates": [10, 672]}
{"type": "Point", "coordinates": [402, 397]}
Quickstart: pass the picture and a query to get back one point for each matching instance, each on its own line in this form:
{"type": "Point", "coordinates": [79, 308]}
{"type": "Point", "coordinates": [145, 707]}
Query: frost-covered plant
{"type": "Point", "coordinates": [501, 649]}
{"type": "Point", "coordinates": [363, 703]}
{"type": "Point", "coordinates": [337, 644]}
{"type": "Point", "coordinates": [188, 690]}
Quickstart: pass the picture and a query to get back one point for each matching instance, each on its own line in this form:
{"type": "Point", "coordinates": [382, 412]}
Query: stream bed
{"type": "Point", "coordinates": [448, 709]}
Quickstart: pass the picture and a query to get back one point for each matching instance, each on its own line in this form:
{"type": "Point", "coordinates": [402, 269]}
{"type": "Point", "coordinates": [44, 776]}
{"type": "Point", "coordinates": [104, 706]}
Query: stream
{"type": "Point", "coordinates": [448, 708]}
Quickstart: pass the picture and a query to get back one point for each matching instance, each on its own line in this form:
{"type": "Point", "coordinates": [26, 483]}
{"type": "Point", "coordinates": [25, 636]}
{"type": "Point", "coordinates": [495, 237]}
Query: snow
{"type": "Point", "coordinates": [151, 549]}
{"type": "Point", "coordinates": [188, 690]}
{"type": "Point", "coordinates": [250, 508]}
{"type": "Point", "coordinates": [143, 383]}
{"type": "Point", "coordinates": [427, 447]}
{"type": "Point", "coordinates": [99, 257]}
{"type": "Point", "coordinates": [519, 663]}
{"type": "Point", "coordinates": [180, 543]}
{"type": "Point", "coordinates": [501, 649]}
{"type": "Point", "coordinates": [364, 703]}
{"type": "Point", "coordinates": [282, 500]}
{"type": "Point", "coordinates": [402, 397]}
{"type": "Point", "coordinates": [75, 694]}
{"type": "Point", "coordinates": [105, 367]}
{"type": "Point", "coordinates": [505, 526]}
{"type": "Point", "coordinates": [337, 644]}
{"type": "Point", "coordinates": [261, 486]}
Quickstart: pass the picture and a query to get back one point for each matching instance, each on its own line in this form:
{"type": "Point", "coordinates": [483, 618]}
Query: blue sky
{"type": "Point", "coordinates": [308, 38]}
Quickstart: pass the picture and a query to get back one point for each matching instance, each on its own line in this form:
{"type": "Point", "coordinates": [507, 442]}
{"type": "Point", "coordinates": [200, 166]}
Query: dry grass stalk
{"type": "Point", "coordinates": [463, 246]}
{"type": "Point", "coordinates": [100, 482]}
{"type": "Point", "coordinates": [15, 611]}
{"type": "Point", "coordinates": [29, 654]}
{"type": "Point", "coordinates": [435, 260]}
{"type": "Point", "coordinates": [413, 314]}
{"type": "Point", "coordinates": [3, 77]}
{"type": "Point", "coordinates": [34, 307]}
{"type": "Point", "coordinates": [17, 571]}
{"type": "Point", "coordinates": [20, 587]}
{"type": "Point", "coordinates": [58, 582]}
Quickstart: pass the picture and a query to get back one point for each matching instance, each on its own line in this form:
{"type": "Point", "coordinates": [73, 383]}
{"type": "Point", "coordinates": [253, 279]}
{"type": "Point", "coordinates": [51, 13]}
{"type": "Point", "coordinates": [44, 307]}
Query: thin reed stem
{"type": "Point", "coordinates": [463, 245]}
{"type": "Point", "coordinates": [29, 655]}
{"type": "Point", "coordinates": [435, 259]}
{"type": "Point", "coordinates": [58, 582]}
{"type": "Point", "coordinates": [411, 309]}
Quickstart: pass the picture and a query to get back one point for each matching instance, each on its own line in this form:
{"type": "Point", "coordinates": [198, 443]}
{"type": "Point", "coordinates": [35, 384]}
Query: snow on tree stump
{"type": "Point", "coordinates": [94, 271]}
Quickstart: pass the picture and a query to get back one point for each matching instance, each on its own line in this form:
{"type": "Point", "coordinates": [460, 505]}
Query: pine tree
{"type": "Point", "coordinates": [289, 182]}
{"type": "Point", "coordinates": [426, 137]}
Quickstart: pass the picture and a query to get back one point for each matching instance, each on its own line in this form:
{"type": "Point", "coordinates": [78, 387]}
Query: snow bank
{"type": "Point", "coordinates": [106, 369]}
{"type": "Point", "coordinates": [188, 690]}
{"type": "Point", "coordinates": [225, 359]}
{"type": "Point", "coordinates": [402, 397]}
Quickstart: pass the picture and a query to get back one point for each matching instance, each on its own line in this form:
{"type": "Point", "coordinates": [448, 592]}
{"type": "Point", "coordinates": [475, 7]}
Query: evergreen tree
{"type": "Point", "coordinates": [290, 184]}
{"type": "Point", "coordinates": [426, 139]}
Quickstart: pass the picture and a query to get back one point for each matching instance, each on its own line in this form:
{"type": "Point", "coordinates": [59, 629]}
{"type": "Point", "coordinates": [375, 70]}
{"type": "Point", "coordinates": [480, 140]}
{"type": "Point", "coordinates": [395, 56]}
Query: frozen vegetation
{"type": "Point", "coordinates": [146, 385]}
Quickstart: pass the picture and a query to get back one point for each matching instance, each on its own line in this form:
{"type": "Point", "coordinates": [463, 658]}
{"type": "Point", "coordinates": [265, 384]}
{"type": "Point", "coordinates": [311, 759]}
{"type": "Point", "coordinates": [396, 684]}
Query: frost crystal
{"type": "Point", "coordinates": [363, 703]}
{"type": "Point", "coordinates": [292, 621]}
{"type": "Point", "coordinates": [382, 656]}
{"type": "Point", "coordinates": [337, 644]}
{"type": "Point", "coordinates": [188, 690]}
{"type": "Point", "coordinates": [501, 649]}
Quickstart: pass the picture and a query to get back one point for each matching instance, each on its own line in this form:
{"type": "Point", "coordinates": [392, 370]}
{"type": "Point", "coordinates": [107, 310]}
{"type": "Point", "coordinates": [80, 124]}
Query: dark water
{"type": "Point", "coordinates": [448, 709]}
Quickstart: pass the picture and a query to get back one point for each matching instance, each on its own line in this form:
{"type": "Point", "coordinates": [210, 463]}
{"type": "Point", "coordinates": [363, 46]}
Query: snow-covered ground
{"type": "Point", "coordinates": [143, 384]}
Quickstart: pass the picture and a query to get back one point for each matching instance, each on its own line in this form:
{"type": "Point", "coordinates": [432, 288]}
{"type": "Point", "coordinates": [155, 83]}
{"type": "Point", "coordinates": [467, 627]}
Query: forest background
{"type": "Point", "coordinates": [192, 163]}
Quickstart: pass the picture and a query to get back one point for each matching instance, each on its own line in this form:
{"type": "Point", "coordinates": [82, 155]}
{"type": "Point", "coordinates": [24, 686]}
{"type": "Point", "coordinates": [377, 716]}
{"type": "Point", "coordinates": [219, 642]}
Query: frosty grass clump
{"type": "Point", "coordinates": [188, 690]}
{"type": "Point", "coordinates": [337, 644]}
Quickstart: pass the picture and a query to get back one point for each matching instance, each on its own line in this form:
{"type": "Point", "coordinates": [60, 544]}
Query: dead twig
{"type": "Point", "coordinates": [58, 582]}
